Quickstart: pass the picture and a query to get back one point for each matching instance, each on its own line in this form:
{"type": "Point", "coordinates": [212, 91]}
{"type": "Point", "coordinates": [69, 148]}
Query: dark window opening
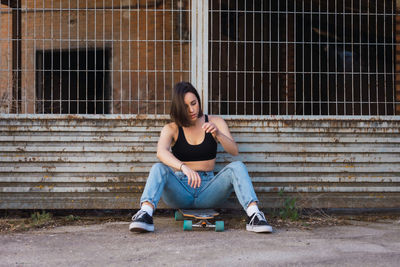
{"type": "Point", "coordinates": [72, 82]}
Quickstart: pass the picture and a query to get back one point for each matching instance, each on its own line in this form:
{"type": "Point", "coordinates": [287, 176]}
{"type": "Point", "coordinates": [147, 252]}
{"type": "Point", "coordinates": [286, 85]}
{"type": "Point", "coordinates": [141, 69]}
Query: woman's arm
{"type": "Point", "coordinates": [163, 147]}
{"type": "Point", "coordinates": [220, 130]}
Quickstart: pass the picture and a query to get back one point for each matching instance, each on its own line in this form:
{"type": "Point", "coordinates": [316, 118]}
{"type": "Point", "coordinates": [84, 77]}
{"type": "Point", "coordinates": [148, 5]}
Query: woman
{"type": "Point", "coordinates": [187, 149]}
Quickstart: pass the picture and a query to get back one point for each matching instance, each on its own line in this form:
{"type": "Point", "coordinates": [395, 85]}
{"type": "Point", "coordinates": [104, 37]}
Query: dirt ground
{"type": "Point", "coordinates": [22, 221]}
{"type": "Point", "coordinates": [313, 240]}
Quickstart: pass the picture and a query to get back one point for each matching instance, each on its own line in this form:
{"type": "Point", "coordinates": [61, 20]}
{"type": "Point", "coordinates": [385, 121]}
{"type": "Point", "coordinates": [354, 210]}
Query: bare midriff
{"type": "Point", "coordinates": [204, 165]}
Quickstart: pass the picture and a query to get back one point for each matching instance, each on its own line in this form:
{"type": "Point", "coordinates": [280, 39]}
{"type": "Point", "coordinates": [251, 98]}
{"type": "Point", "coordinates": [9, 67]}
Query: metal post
{"type": "Point", "coordinates": [16, 56]}
{"type": "Point", "coordinates": [397, 58]}
{"type": "Point", "coordinates": [199, 50]}
{"type": "Point", "coordinates": [290, 63]}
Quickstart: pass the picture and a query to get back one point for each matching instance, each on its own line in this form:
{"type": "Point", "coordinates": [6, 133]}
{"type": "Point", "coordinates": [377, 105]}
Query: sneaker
{"type": "Point", "coordinates": [257, 223]}
{"type": "Point", "coordinates": [141, 222]}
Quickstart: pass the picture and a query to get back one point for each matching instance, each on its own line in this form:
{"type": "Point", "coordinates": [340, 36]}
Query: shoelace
{"type": "Point", "coordinates": [260, 215]}
{"type": "Point", "coordinates": [138, 214]}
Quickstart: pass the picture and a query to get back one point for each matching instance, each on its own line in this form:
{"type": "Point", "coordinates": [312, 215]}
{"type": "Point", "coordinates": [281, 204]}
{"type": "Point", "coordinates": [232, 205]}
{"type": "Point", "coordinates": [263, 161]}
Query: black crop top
{"type": "Point", "coordinates": [184, 151]}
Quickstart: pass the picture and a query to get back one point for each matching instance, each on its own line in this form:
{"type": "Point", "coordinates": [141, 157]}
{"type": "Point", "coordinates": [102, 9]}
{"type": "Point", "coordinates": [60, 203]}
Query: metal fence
{"type": "Point", "coordinates": [329, 57]}
{"type": "Point", "coordinates": [102, 162]}
{"type": "Point", "coordinates": [290, 57]}
{"type": "Point", "coordinates": [92, 57]}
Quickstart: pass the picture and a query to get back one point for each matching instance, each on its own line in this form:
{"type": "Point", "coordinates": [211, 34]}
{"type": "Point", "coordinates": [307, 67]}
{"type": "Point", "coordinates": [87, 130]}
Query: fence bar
{"type": "Point", "coordinates": [199, 50]}
{"type": "Point", "coordinates": [397, 55]}
{"type": "Point", "coordinates": [16, 56]}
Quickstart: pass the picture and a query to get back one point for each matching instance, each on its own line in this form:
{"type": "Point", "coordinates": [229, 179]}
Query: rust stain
{"type": "Point", "coordinates": [137, 148]}
{"type": "Point", "coordinates": [349, 160]}
{"type": "Point", "coordinates": [12, 128]}
{"type": "Point", "coordinates": [90, 178]}
{"type": "Point", "coordinates": [73, 117]}
{"type": "Point", "coordinates": [48, 167]}
{"type": "Point", "coordinates": [142, 117]}
{"type": "Point", "coordinates": [377, 196]}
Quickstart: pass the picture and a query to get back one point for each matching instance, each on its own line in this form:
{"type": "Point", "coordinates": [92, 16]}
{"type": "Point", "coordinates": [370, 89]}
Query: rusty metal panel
{"type": "Point", "coordinates": [102, 162]}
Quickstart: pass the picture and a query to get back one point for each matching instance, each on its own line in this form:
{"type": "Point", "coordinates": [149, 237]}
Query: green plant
{"type": "Point", "coordinates": [289, 209]}
{"type": "Point", "coordinates": [38, 219]}
{"type": "Point", "coordinates": [72, 218]}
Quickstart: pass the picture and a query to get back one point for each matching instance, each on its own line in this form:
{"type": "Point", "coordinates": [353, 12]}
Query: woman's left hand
{"type": "Point", "coordinates": [210, 127]}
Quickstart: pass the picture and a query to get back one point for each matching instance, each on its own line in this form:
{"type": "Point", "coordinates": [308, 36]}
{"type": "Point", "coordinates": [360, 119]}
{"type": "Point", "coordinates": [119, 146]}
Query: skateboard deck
{"type": "Point", "coordinates": [201, 217]}
{"type": "Point", "coordinates": [199, 214]}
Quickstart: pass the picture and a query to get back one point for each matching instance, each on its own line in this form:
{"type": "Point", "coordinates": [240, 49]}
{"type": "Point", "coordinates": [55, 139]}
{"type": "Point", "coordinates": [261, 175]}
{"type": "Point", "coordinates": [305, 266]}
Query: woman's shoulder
{"type": "Point", "coordinates": [170, 130]}
{"type": "Point", "coordinates": [171, 126]}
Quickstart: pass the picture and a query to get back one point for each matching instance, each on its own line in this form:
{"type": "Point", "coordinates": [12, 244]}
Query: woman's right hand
{"type": "Point", "coordinates": [194, 179]}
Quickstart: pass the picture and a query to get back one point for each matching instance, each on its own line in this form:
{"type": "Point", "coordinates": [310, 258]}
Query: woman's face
{"type": "Point", "coordinates": [192, 106]}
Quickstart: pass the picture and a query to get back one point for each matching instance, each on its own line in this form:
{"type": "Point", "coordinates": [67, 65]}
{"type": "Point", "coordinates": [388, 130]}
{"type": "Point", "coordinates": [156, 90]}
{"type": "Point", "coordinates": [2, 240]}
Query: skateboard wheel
{"type": "Point", "coordinates": [178, 216]}
{"type": "Point", "coordinates": [219, 226]}
{"type": "Point", "coordinates": [187, 225]}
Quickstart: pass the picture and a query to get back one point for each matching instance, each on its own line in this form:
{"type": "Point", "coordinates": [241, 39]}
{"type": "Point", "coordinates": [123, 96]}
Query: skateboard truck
{"type": "Point", "coordinates": [203, 224]}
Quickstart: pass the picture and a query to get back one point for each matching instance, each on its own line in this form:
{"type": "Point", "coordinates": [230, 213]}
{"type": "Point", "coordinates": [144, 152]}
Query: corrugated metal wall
{"type": "Point", "coordinates": [69, 162]}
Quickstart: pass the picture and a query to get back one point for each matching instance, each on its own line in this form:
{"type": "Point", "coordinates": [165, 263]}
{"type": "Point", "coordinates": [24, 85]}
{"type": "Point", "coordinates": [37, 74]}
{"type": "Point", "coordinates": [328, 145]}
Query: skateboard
{"type": "Point", "coordinates": [202, 217]}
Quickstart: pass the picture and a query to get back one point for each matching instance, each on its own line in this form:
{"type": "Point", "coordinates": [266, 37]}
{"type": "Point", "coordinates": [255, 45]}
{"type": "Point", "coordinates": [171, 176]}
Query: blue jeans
{"type": "Point", "coordinates": [176, 193]}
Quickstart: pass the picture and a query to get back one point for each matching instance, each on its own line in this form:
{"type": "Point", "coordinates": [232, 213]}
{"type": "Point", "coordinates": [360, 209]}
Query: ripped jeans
{"type": "Point", "coordinates": [214, 189]}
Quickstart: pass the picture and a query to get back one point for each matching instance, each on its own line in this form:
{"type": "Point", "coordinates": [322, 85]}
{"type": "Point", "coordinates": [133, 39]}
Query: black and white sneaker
{"type": "Point", "coordinates": [257, 223]}
{"type": "Point", "coordinates": [141, 222]}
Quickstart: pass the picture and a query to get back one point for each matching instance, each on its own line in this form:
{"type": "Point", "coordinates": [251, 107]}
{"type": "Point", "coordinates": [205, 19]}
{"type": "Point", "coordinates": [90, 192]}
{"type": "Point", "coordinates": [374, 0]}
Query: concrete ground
{"type": "Point", "coordinates": [111, 244]}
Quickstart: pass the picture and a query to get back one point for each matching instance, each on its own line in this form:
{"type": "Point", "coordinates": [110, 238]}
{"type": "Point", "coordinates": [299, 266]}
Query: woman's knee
{"type": "Point", "coordinates": [237, 165]}
{"type": "Point", "coordinates": [159, 167]}
{"type": "Point", "coordinates": [160, 170]}
{"type": "Point", "coordinates": [239, 170]}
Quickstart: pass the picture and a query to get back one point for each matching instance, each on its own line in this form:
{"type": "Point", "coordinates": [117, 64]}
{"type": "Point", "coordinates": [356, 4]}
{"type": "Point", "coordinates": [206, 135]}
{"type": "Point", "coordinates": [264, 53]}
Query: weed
{"type": "Point", "coordinates": [39, 219]}
{"type": "Point", "coordinates": [289, 209]}
{"type": "Point", "coordinates": [72, 218]}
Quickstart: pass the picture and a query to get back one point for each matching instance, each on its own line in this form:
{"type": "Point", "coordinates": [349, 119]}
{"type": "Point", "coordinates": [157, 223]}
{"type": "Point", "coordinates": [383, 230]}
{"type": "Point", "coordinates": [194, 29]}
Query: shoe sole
{"type": "Point", "coordinates": [141, 227]}
{"type": "Point", "coordinates": [259, 229]}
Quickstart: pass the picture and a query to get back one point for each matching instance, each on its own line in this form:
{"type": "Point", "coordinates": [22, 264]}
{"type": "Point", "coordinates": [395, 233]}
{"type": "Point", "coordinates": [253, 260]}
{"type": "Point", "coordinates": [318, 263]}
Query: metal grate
{"type": "Point", "coordinates": [290, 57]}
{"type": "Point", "coordinates": [92, 57]}
{"type": "Point", "coordinates": [304, 57]}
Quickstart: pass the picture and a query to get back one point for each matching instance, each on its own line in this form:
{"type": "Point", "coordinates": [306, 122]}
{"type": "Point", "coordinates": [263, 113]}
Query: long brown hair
{"type": "Point", "coordinates": [178, 112]}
